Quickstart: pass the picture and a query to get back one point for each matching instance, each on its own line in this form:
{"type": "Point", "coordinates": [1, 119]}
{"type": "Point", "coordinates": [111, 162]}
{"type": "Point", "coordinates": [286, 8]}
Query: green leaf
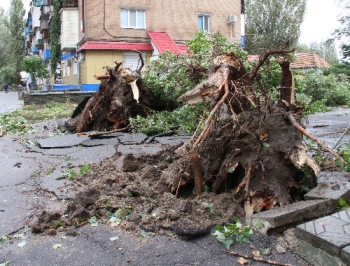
{"type": "Point", "coordinates": [264, 251]}
{"type": "Point", "coordinates": [22, 244]}
{"type": "Point", "coordinates": [228, 243]}
{"type": "Point", "coordinates": [144, 233]}
{"type": "Point", "coordinates": [56, 246]}
{"type": "Point", "coordinates": [342, 203]}
{"type": "Point", "coordinates": [4, 263]}
{"type": "Point", "coordinates": [265, 144]}
{"type": "Point", "coordinates": [93, 221]}
{"type": "Point", "coordinates": [115, 220]}
{"type": "Point", "coordinates": [219, 235]}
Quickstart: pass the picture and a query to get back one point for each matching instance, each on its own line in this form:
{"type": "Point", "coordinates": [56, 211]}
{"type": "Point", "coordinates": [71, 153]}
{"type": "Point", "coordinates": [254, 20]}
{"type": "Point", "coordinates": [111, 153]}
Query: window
{"type": "Point", "coordinates": [130, 18]}
{"type": "Point", "coordinates": [132, 60]}
{"type": "Point", "coordinates": [203, 23]}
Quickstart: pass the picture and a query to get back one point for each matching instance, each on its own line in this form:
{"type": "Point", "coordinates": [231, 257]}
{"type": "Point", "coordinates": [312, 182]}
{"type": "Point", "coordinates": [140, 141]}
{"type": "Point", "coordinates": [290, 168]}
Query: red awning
{"type": "Point", "coordinates": [163, 42]}
{"type": "Point", "coordinates": [116, 46]}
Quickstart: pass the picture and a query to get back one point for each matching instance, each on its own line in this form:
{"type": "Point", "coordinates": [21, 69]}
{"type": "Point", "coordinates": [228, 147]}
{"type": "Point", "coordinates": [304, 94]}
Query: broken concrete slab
{"type": "Point", "coordinates": [100, 142]}
{"type": "Point", "coordinates": [57, 151]}
{"type": "Point", "coordinates": [345, 254]}
{"type": "Point", "coordinates": [57, 185]}
{"type": "Point", "coordinates": [331, 185]}
{"type": "Point", "coordinates": [331, 233]}
{"type": "Point", "coordinates": [173, 140]}
{"type": "Point", "coordinates": [132, 139]}
{"type": "Point", "coordinates": [61, 141]}
{"type": "Point", "coordinates": [314, 256]}
{"type": "Point", "coordinates": [150, 149]}
{"type": "Point", "coordinates": [281, 218]}
{"type": "Point", "coordinates": [89, 155]}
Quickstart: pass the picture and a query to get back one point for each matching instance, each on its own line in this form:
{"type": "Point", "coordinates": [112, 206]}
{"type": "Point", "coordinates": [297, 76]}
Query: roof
{"type": "Point", "coordinates": [163, 42]}
{"type": "Point", "coordinates": [253, 57]}
{"type": "Point", "coordinates": [116, 46]}
{"type": "Point", "coordinates": [183, 48]}
{"type": "Point", "coordinates": [309, 60]}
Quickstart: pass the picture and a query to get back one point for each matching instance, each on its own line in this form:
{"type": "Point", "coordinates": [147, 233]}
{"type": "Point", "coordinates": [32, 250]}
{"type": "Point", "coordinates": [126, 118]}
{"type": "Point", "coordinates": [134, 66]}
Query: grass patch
{"type": "Point", "coordinates": [50, 111]}
{"type": "Point", "coordinates": [18, 122]}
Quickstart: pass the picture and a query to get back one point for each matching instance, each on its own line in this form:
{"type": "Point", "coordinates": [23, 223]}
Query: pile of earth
{"type": "Point", "coordinates": [155, 193]}
{"type": "Point", "coordinates": [133, 192]}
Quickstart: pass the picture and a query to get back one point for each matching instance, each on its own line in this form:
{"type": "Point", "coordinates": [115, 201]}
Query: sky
{"type": "Point", "coordinates": [319, 22]}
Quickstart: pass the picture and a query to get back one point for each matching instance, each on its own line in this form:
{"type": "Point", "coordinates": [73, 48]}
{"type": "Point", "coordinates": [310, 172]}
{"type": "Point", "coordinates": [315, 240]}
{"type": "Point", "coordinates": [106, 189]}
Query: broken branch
{"type": "Point", "coordinates": [213, 112]}
{"type": "Point", "coordinates": [266, 55]}
{"type": "Point", "coordinates": [307, 134]}
{"type": "Point", "coordinates": [142, 62]}
{"type": "Point", "coordinates": [246, 181]}
{"type": "Point", "coordinates": [100, 77]}
{"type": "Point", "coordinates": [99, 133]}
{"type": "Point", "coordinates": [272, 262]}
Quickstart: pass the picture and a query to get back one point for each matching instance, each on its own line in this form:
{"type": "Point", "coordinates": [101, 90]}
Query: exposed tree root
{"type": "Point", "coordinates": [245, 182]}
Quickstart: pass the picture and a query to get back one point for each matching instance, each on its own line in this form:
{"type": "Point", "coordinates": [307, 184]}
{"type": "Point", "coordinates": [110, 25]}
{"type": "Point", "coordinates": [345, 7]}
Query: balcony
{"type": "Point", "coordinates": [28, 30]}
{"type": "Point", "coordinates": [44, 25]}
{"type": "Point", "coordinates": [35, 50]}
{"type": "Point", "coordinates": [39, 44]}
{"type": "Point", "coordinates": [70, 24]}
{"type": "Point", "coordinates": [69, 3]}
{"type": "Point", "coordinates": [47, 2]}
{"type": "Point", "coordinates": [45, 34]}
{"type": "Point", "coordinates": [38, 3]}
{"type": "Point", "coordinates": [46, 11]}
{"type": "Point", "coordinates": [46, 54]}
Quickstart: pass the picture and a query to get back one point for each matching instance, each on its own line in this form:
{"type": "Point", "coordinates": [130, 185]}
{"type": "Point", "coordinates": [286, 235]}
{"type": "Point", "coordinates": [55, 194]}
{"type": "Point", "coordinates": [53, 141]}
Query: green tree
{"type": "Point", "coordinates": [15, 41]}
{"type": "Point", "coordinates": [3, 42]}
{"type": "Point", "coordinates": [55, 32]}
{"type": "Point", "coordinates": [171, 75]}
{"type": "Point", "coordinates": [271, 23]}
{"type": "Point", "coordinates": [35, 66]}
{"type": "Point", "coordinates": [342, 34]}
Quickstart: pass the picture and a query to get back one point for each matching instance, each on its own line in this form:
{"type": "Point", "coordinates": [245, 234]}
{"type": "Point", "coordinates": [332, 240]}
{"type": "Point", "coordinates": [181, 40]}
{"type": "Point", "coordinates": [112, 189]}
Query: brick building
{"type": "Point", "coordinates": [96, 33]}
{"type": "Point", "coordinates": [109, 30]}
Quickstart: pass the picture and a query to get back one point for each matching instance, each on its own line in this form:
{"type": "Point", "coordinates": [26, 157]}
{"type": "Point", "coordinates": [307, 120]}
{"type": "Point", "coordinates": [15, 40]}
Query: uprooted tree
{"type": "Point", "coordinates": [121, 95]}
{"type": "Point", "coordinates": [250, 149]}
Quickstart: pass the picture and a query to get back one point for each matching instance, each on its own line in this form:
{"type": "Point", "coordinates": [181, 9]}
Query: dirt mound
{"type": "Point", "coordinates": [132, 192]}
{"type": "Point", "coordinates": [155, 193]}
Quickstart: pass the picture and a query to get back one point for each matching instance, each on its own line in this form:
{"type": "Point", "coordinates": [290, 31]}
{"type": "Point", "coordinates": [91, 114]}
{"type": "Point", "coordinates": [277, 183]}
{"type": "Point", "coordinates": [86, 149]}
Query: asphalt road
{"type": "Point", "coordinates": [9, 101]}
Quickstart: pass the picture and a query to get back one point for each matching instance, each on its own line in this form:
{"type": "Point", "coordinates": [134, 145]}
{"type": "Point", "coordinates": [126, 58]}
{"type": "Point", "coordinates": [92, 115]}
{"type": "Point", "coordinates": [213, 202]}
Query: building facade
{"type": "Point", "coordinates": [96, 33]}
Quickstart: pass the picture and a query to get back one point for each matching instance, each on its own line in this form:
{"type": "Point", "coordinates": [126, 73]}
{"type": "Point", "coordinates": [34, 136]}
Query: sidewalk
{"type": "Point", "coordinates": [9, 101]}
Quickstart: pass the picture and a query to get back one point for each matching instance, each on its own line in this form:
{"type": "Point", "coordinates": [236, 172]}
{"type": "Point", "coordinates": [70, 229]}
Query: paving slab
{"type": "Point", "coordinates": [100, 142]}
{"type": "Point", "coordinates": [280, 218]}
{"type": "Point", "coordinates": [331, 185]}
{"type": "Point", "coordinates": [132, 139]}
{"type": "Point", "coordinates": [64, 141]}
{"type": "Point", "coordinates": [345, 254]}
{"type": "Point", "coordinates": [331, 233]}
{"type": "Point", "coordinates": [89, 155]}
{"type": "Point", "coordinates": [150, 149]}
{"type": "Point", "coordinates": [56, 185]}
{"type": "Point", "coordinates": [173, 140]}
